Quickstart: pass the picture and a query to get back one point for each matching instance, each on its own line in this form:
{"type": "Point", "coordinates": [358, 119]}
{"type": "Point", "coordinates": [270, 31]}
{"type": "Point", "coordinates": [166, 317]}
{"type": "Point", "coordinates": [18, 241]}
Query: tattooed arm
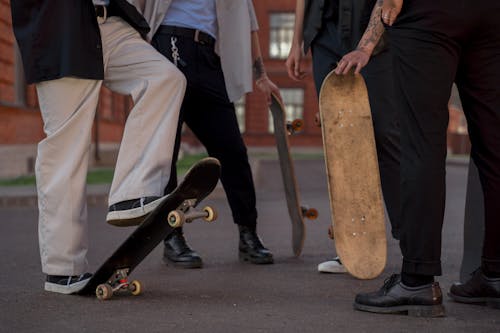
{"type": "Point", "coordinates": [361, 55]}
{"type": "Point", "coordinates": [262, 82]}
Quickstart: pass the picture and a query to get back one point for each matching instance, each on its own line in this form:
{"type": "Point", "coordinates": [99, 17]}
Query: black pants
{"type": "Point", "coordinates": [327, 51]}
{"type": "Point", "coordinates": [434, 44]}
{"type": "Point", "coordinates": [208, 112]}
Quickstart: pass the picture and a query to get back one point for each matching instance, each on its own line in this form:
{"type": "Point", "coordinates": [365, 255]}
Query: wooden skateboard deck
{"type": "Point", "coordinates": [358, 216]}
{"type": "Point", "coordinates": [297, 212]}
{"type": "Point", "coordinates": [176, 208]}
{"type": "Point", "coordinates": [473, 225]}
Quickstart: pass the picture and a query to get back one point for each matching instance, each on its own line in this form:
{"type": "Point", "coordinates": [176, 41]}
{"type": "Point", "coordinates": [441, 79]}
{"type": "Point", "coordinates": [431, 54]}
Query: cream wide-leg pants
{"type": "Point", "coordinates": [68, 105]}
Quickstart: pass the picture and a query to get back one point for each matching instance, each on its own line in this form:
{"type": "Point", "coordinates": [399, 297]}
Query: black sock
{"type": "Point", "coordinates": [416, 280]}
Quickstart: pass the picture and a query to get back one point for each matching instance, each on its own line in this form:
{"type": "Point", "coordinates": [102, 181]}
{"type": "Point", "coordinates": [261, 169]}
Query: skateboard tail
{"type": "Point", "coordinates": [206, 171]}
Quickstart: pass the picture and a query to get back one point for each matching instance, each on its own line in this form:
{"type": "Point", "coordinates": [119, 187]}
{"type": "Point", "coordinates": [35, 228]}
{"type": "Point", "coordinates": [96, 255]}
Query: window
{"type": "Point", "coordinates": [294, 105]}
{"type": "Point", "coordinates": [281, 34]}
{"type": "Point", "coordinates": [239, 107]}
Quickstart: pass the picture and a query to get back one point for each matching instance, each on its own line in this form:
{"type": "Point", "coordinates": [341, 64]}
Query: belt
{"type": "Point", "coordinates": [197, 35]}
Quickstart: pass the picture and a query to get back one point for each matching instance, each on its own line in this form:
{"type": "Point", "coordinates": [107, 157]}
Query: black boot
{"type": "Point", "coordinates": [395, 297]}
{"type": "Point", "coordinates": [178, 252]}
{"type": "Point", "coordinates": [251, 248]}
{"type": "Point", "coordinates": [479, 289]}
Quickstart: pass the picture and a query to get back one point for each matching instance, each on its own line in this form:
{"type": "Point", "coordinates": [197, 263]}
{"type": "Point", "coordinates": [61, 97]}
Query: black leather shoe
{"type": "Point", "coordinates": [178, 252]}
{"type": "Point", "coordinates": [479, 289]}
{"type": "Point", "coordinates": [251, 248]}
{"type": "Point", "coordinates": [395, 297]}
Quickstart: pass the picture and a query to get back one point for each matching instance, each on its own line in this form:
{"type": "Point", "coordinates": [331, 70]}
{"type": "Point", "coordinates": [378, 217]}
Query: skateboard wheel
{"type": "Point", "coordinates": [211, 214]}
{"type": "Point", "coordinates": [176, 218]}
{"type": "Point", "coordinates": [312, 214]}
{"type": "Point", "coordinates": [104, 292]}
{"type": "Point", "coordinates": [297, 125]}
{"type": "Point", "coordinates": [135, 288]}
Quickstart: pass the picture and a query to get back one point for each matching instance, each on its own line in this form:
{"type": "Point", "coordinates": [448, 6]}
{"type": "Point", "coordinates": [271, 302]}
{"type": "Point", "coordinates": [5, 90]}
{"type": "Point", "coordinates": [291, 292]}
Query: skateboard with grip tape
{"type": "Point", "coordinates": [177, 208]}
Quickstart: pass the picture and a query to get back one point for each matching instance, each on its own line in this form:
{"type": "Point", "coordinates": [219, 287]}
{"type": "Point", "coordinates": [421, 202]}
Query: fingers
{"type": "Point", "coordinates": [344, 66]}
{"type": "Point", "coordinates": [294, 72]}
{"type": "Point", "coordinates": [359, 66]}
{"type": "Point", "coordinates": [292, 65]}
{"type": "Point", "coordinates": [290, 68]}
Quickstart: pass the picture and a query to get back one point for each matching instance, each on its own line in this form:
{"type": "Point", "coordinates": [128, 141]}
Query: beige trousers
{"type": "Point", "coordinates": [68, 105]}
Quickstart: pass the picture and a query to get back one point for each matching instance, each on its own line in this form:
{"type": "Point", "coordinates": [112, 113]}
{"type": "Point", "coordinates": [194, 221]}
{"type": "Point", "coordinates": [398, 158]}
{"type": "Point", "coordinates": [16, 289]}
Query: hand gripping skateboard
{"type": "Point", "coordinates": [177, 208]}
{"type": "Point", "coordinates": [353, 176]}
{"type": "Point", "coordinates": [282, 129]}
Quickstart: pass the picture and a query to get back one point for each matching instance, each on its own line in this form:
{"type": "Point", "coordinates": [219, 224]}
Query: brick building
{"type": "Point", "coordinates": [21, 126]}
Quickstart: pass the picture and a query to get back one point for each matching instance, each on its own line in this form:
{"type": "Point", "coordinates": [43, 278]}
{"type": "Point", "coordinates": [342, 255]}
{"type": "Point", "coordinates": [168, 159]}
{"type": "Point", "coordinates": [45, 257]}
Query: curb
{"type": "Point", "coordinates": [97, 195]}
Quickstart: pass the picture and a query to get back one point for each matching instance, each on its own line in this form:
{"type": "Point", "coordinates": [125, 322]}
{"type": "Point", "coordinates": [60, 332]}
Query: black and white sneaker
{"type": "Point", "coordinates": [66, 284]}
{"type": "Point", "coordinates": [132, 212]}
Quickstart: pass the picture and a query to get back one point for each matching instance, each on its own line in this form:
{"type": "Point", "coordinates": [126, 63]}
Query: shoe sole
{"type": "Point", "coordinates": [258, 261]}
{"type": "Point", "coordinates": [410, 310]}
{"type": "Point", "coordinates": [65, 289]}
{"type": "Point", "coordinates": [182, 264]}
{"type": "Point", "coordinates": [493, 302]}
{"type": "Point", "coordinates": [132, 217]}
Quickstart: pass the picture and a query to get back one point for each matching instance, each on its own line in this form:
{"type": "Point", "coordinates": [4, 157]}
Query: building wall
{"type": "Point", "coordinates": [21, 124]}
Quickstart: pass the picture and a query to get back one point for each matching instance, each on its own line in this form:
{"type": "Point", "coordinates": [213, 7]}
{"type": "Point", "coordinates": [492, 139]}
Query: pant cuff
{"type": "Point", "coordinates": [421, 268]}
{"type": "Point", "coordinates": [491, 265]}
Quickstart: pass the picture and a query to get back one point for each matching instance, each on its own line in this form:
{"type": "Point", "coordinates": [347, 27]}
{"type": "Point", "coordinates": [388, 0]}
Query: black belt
{"type": "Point", "coordinates": [196, 35]}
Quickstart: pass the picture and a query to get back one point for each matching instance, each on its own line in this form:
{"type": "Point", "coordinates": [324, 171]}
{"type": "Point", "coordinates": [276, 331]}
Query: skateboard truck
{"type": "Point", "coordinates": [119, 281]}
{"type": "Point", "coordinates": [186, 213]}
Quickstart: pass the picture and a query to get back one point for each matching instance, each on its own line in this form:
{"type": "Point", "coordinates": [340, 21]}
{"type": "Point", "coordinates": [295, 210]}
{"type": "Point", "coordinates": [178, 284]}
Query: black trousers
{"type": "Point", "coordinates": [434, 44]}
{"type": "Point", "coordinates": [208, 112]}
{"type": "Point", "coordinates": [326, 52]}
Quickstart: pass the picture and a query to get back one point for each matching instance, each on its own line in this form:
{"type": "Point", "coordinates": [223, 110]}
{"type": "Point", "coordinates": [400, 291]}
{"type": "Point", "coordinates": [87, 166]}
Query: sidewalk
{"type": "Point", "coordinates": [19, 196]}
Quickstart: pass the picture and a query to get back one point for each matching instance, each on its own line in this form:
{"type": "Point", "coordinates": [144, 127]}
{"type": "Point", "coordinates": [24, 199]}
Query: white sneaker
{"type": "Point", "coordinates": [333, 266]}
{"type": "Point", "coordinates": [66, 284]}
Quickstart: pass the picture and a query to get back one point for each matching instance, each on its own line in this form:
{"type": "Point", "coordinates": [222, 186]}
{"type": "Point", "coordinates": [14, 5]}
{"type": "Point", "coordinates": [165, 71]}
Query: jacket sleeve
{"type": "Point", "coordinates": [254, 25]}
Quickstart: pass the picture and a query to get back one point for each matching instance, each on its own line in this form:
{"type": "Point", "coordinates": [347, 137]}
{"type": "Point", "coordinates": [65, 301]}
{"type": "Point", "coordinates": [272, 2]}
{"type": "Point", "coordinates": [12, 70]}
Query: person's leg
{"type": "Point", "coordinates": [478, 81]}
{"type": "Point", "coordinates": [431, 63]}
{"type": "Point", "coordinates": [379, 81]}
{"type": "Point", "coordinates": [157, 87]}
{"type": "Point", "coordinates": [61, 171]}
{"type": "Point", "coordinates": [212, 118]}
{"type": "Point", "coordinates": [473, 224]}
{"type": "Point", "coordinates": [176, 250]}
{"type": "Point", "coordinates": [424, 69]}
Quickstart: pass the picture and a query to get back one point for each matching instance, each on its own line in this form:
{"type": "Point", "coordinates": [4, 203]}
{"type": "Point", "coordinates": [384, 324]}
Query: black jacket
{"type": "Point", "coordinates": [350, 16]}
{"type": "Point", "coordinates": [60, 38]}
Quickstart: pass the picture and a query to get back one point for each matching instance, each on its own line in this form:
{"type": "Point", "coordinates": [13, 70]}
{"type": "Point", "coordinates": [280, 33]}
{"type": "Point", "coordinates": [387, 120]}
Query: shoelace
{"type": "Point", "coordinates": [78, 278]}
{"type": "Point", "coordinates": [389, 282]}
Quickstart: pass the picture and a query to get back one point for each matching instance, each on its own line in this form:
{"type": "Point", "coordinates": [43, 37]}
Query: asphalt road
{"type": "Point", "coordinates": [226, 295]}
